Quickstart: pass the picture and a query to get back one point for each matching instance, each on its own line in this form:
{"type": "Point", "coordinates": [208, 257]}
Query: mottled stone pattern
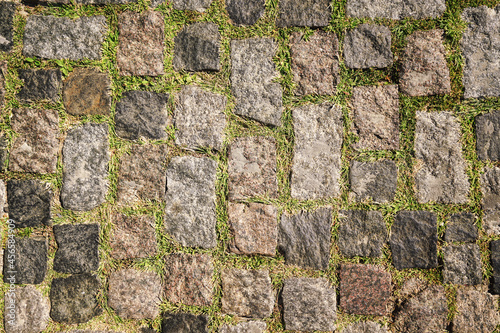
{"type": "Point", "coordinates": [252, 168]}
{"type": "Point", "coordinates": [7, 12]}
{"type": "Point", "coordinates": [375, 181]}
{"type": "Point", "coordinates": [184, 323]}
{"type": "Point", "coordinates": [309, 305]}
{"type": "Point", "coordinates": [190, 201]}
{"type": "Point", "coordinates": [30, 263]}
{"type": "Point", "coordinates": [3, 74]}
{"type": "Point", "coordinates": [78, 248]}
{"type": "Point", "coordinates": [487, 140]}
{"type": "Point", "coordinates": [29, 203]}
{"type": "Point", "coordinates": [495, 264]}
{"type": "Point", "coordinates": [462, 264]}
{"type": "Point", "coordinates": [476, 311]}
{"type": "Point", "coordinates": [197, 48]}
{"type": "Point", "coordinates": [461, 228]}
{"type": "Point", "coordinates": [245, 12]}
{"type": "Point", "coordinates": [304, 13]}
{"type": "Point", "coordinates": [133, 236]}
{"type": "Point", "coordinates": [481, 52]}
{"type": "Point", "coordinates": [304, 238]}
{"type": "Point", "coordinates": [490, 183]}
{"type": "Point", "coordinates": [317, 156]}
{"type": "Point", "coordinates": [195, 5]}
{"type": "Point", "coordinates": [140, 43]}
{"type": "Point", "coordinates": [53, 37]}
{"type": "Point", "coordinates": [4, 153]}
{"type": "Point", "coordinates": [254, 326]}
{"type": "Point", "coordinates": [188, 279]}
{"type": "Point", "coordinates": [40, 84]}
{"type": "Point", "coordinates": [397, 9]}
{"type": "Point", "coordinates": [31, 310]}
{"type": "Point", "coordinates": [365, 327]}
{"type": "Point", "coordinates": [252, 74]}
{"type": "Point", "coordinates": [368, 45]}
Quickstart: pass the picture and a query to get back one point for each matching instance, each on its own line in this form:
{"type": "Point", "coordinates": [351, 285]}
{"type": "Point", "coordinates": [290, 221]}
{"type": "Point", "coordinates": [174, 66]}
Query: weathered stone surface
{"type": "Point", "coordinates": [85, 159]}
{"type": "Point", "coordinates": [184, 323]}
{"type": "Point", "coordinates": [304, 13]}
{"type": "Point", "coordinates": [254, 228]}
{"type": "Point", "coordinates": [414, 240]}
{"type": "Point", "coordinates": [462, 264]}
{"type": "Point", "coordinates": [7, 12]}
{"type": "Point", "coordinates": [4, 152]}
{"type": "Point", "coordinates": [78, 248]}
{"type": "Point", "coordinates": [29, 203]}
{"type": "Point", "coordinates": [147, 330]}
{"type": "Point", "coordinates": [190, 201]}
{"type": "Point", "coordinates": [490, 185]}
{"type": "Point", "coordinates": [247, 293]}
{"type": "Point", "coordinates": [87, 91]}
{"type": "Point", "coordinates": [197, 48]}
{"type": "Point", "coordinates": [252, 74]}
{"type": "Point", "coordinates": [309, 305]}
{"type": "Point", "coordinates": [3, 74]}
{"type": "Point", "coordinates": [26, 311]}
{"type": "Point", "coordinates": [365, 327]}
{"type": "Point", "coordinates": [134, 294]}
{"type": "Point", "coordinates": [30, 263]}
{"type": "Point", "coordinates": [368, 45]}
{"type": "Point", "coordinates": [3, 205]}
{"type": "Point", "coordinates": [243, 12]}
{"type": "Point", "coordinates": [40, 84]}
{"type": "Point", "coordinates": [36, 148]}
{"type": "Point", "coordinates": [73, 299]}
{"type": "Point", "coordinates": [411, 287]}
{"type": "Point", "coordinates": [395, 10]}
{"type": "Point", "coordinates": [53, 37]}
{"type": "Point", "coordinates": [142, 114]}
{"type": "Point", "coordinates": [476, 312]}
{"type": "Point", "coordinates": [487, 140]}
{"type": "Point", "coordinates": [441, 172]}
{"type": "Point", "coordinates": [188, 279]}
{"type": "Point", "coordinates": [199, 118]}
{"type": "Point", "coordinates": [304, 238]}
{"type": "Point", "coordinates": [133, 236]}
{"type": "Point", "coordinates": [424, 69]}
{"type": "Point", "coordinates": [255, 326]}
{"type": "Point", "coordinates": [481, 52]}
{"type": "Point", "coordinates": [140, 43]}
{"type": "Point", "coordinates": [142, 174]}
{"type": "Point", "coordinates": [376, 181]}
{"type": "Point", "coordinates": [318, 142]}
{"type": "Point", "coordinates": [461, 228]}
{"type": "Point", "coordinates": [195, 5]}
{"type": "Point", "coordinates": [361, 233]}
{"type": "Point", "coordinates": [495, 264]}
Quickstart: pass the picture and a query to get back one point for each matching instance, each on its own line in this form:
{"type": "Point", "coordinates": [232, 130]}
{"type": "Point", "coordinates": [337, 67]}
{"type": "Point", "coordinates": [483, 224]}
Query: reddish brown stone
{"type": "Point", "coordinates": [133, 237]}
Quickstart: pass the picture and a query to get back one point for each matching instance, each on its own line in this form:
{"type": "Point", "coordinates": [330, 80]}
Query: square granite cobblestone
{"type": "Point", "coordinates": [29, 203]}
{"type": "Point", "coordinates": [477, 311]}
{"type": "Point", "coordinates": [376, 181]}
{"type": "Point", "coordinates": [245, 13]}
{"type": "Point", "coordinates": [304, 13]}
{"type": "Point", "coordinates": [133, 237]}
{"type": "Point", "coordinates": [368, 45]}
{"type": "Point", "coordinates": [461, 228]}
{"type": "Point", "coordinates": [490, 203]}
{"type": "Point", "coordinates": [462, 264]}
{"type": "Point", "coordinates": [365, 327]}
{"type": "Point", "coordinates": [495, 265]}
{"type": "Point", "coordinates": [40, 84]}
{"type": "Point", "coordinates": [184, 323]}
{"type": "Point", "coordinates": [194, 5]}
{"type": "Point", "coordinates": [197, 48]}
{"type": "Point", "coordinates": [254, 326]}
{"type": "Point", "coordinates": [7, 12]}
{"type": "Point", "coordinates": [395, 10]}
{"type": "Point", "coordinates": [30, 310]}
{"type": "Point", "coordinates": [487, 138]}
{"type": "Point", "coordinates": [29, 265]}
{"type": "Point", "coordinates": [78, 248]}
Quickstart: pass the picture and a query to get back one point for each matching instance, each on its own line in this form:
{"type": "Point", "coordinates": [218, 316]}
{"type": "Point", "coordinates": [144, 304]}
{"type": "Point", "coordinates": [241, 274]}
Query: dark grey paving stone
{"type": "Point", "coordinates": [254, 326]}
{"type": "Point", "coordinates": [304, 238]}
{"type": "Point", "coordinates": [244, 12]}
{"type": "Point", "coordinates": [477, 311]}
{"type": "Point", "coordinates": [414, 240]}
{"type": "Point", "coordinates": [368, 45]}
{"type": "Point", "coordinates": [495, 264]}
{"type": "Point", "coordinates": [26, 310]}
{"type": "Point", "coordinates": [74, 299]}
{"type": "Point", "coordinates": [462, 264]}
{"type": "Point", "coordinates": [85, 157]}
{"type": "Point", "coordinates": [142, 114]}
{"type": "Point", "coordinates": [304, 13]}
{"type": "Point", "coordinates": [376, 181]}
{"type": "Point", "coordinates": [197, 48]}
{"type": "Point", "coordinates": [190, 201]}
{"type": "Point", "coordinates": [3, 74]}
{"type": "Point", "coordinates": [365, 327]}
{"type": "Point", "coordinates": [461, 228]}
{"type": "Point", "coordinates": [195, 5]}
{"type": "Point", "coordinates": [481, 76]}
{"type": "Point", "coordinates": [133, 236]}
{"type": "Point", "coordinates": [78, 248]}
{"type": "Point", "coordinates": [146, 330]}
{"type": "Point", "coordinates": [30, 263]}
{"type": "Point", "coordinates": [40, 84]}
{"type": "Point", "coordinates": [7, 12]}
{"type": "Point", "coordinates": [184, 323]}
{"type": "Point", "coordinates": [252, 74]}
{"type": "Point", "coordinates": [487, 142]}
{"type": "Point", "coordinates": [361, 233]}
{"type": "Point", "coordinates": [53, 37]}
{"type": "Point", "coordinates": [490, 182]}
{"type": "Point", "coordinates": [29, 203]}
{"type": "Point", "coordinates": [309, 304]}
{"type": "Point", "coordinates": [395, 10]}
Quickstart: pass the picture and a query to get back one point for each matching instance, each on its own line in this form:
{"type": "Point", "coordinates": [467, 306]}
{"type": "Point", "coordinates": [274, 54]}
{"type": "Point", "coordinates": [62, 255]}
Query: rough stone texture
{"type": "Point", "coordinates": [196, 5]}
{"type": "Point", "coordinates": [490, 185]}
{"type": "Point", "coordinates": [7, 12]}
{"type": "Point", "coordinates": [36, 148]}
{"type": "Point", "coordinates": [3, 206]}
{"type": "Point", "coordinates": [376, 181]}
{"type": "Point", "coordinates": [30, 263]}
{"type": "Point", "coordinates": [85, 159]}
{"type": "Point", "coordinates": [309, 304]}
{"type": "Point", "coordinates": [73, 299]}
{"type": "Point", "coordinates": [376, 117]}
{"type": "Point", "coordinates": [414, 240]}
{"type": "Point", "coordinates": [3, 74]}
{"type": "Point", "coordinates": [142, 114]}
{"type": "Point", "coordinates": [255, 326]}
{"type": "Point", "coordinates": [495, 264]}
{"type": "Point", "coordinates": [365, 289]}
{"type": "Point", "coordinates": [365, 327]}
{"type": "Point", "coordinates": [317, 158]}
{"type": "Point", "coordinates": [487, 139]}
{"type": "Point", "coordinates": [424, 70]}
{"type": "Point", "coordinates": [304, 238]}
{"type": "Point", "coordinates": [368, 45]}
{"type": "Point", "coordinates": [304, 13]}
{"type": "Point", "coordinates": [411, 287]}
{"type": "Point", "coordinates": [247, 293]}
{"type": "Point", "coordinates": [252, 74]}
{"type": "Point", "coordinates": [477, 312]}
{"type": "Point", "coordinates": [78, 248]}
{"type": "Point", "coordinates": [254, 228]}
{"type": "Point", "coordinates": [441, 173]}
{"type": "Point", "coordinates": [184, 323]}
{"type": "Point", "coordinates": [190, 201]}
{"type": "Point", "coordinates": [29, 203]}
{"type": "Point", "coordinates": [87, 91]}
{"type": "Point", "coordinates": [188, 279]}
{"type": "Point", "coordinates": [244, 12]}
{"type": "Point", "coordinates": [397, 9]}
{"type": "Point", "coordinates": [4, 153]}
{"type": "Point", "coordinates": [481, 52]}
{"type": "Point", "coordinates": [462, 264]}
{"type": "Point", "coordinates": [361, 233]}
{"type": "Point", "coordinates": [315, 63]}
{"type": "Point", "coordinates": [26, 311]}
{"type": "Point", "coordinates": [53, 37]}
{"type": "Point", "coordinates": [461, 228]}
{"type": "Point", "coordinates": [133, 237]}
{"type": "Point", "coordinates": [140, 43]}
{"type": "Point", "coordinates": [134, 294]}
{"type": "Point", "coordinates": [199, 118]}
{"type": "Point", "coordinates": [40, 84]}
{"type": "Point", "coordinates": [197, 48]}
{"type": "Point", "coordinates": [142, 174]}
